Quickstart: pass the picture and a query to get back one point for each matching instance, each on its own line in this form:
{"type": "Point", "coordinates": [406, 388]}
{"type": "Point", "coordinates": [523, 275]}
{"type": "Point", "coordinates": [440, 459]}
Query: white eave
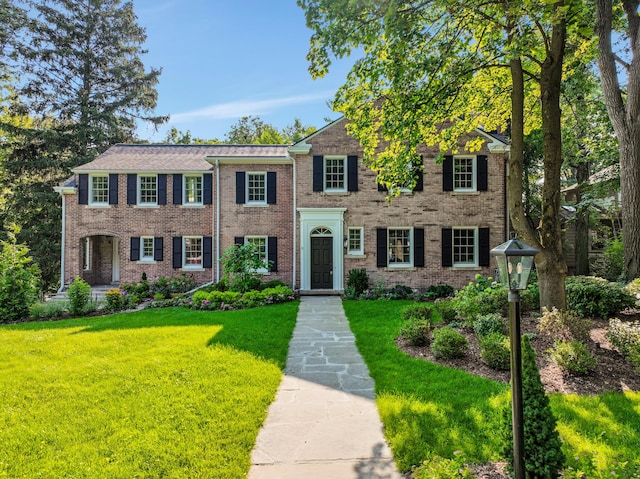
{"type": "Point", "coordinates": [234, 160]}
{"type": "Point", "coordinates": [65, 190]}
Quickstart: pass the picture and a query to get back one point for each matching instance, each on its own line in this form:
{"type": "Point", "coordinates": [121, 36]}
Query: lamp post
{"type": "Point", "coordinates": [515, 259]}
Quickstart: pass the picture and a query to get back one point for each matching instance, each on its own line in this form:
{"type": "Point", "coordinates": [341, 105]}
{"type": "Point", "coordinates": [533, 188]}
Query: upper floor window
{"type": "Point", "coordinates": [193, 189]}
{"type": "Point", "coordinates": [334, 173]}
{"type": "Point", "coordinates": [464, 176]}
{"type": "Point", "coordinates": [192, 252]}
{"type": "Point", "coordinates": [400, 247]}
{"type": "Point", "coordinates": [257, 188]}
{"type": "Point", "coordinates": [354, 242]}
{"type": "Point", "coordinates": [147, 190]}
{"type": "Point", "coordinates": [99, 190]}
{"type": "Point", "coordinates": [465, 247]}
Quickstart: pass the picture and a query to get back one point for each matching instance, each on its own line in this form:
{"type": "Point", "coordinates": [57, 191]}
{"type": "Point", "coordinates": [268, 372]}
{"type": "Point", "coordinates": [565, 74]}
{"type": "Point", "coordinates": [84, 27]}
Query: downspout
{"type": "Point", "coordinates": [295, 226]}
{"type": "Point", "coordinates": [63, 240]}
{"type": "Point", "coordinates": [217, 220]}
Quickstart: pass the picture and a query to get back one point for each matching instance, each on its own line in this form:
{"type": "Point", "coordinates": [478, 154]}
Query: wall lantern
{"type": "Point", "coordinates": [515, 260]}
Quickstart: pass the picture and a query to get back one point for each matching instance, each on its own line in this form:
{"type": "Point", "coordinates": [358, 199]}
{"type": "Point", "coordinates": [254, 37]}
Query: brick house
{"type": "Point", "coordinates": [312, 208]}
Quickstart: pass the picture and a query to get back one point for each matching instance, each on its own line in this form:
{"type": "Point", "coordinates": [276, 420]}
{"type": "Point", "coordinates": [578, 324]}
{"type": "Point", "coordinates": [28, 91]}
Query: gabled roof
{"type": "Point", "coordinates": [178, 158]}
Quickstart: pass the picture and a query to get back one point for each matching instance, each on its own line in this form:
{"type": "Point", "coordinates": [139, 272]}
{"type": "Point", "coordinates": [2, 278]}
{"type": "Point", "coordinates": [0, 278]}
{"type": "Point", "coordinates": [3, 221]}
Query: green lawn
{"type": "Point", "coordinates": [429, 410]}
{"type": "Point", "coordinates": [169, 393]}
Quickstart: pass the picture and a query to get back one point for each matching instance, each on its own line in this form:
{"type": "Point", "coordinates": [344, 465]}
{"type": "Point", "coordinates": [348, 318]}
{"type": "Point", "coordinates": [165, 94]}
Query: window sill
{"type": "Point", "coordinates": [98, 206]}
{"type": "Point", "coordinates": [147, 206]}
{"type": "Point", "coordinates": [400, 268]}
{"type": "Point", "coordinates": [191, 206]}
{"type": "Point", "coordinates": [465, 193]}
{"type": "Point", "coordinates": [187, 268]}
{"type": "Point", "coordinates": [355, 256]}
{"type": "Point", "coordinates": [336, 193]}
{"type": "Point", "coordinates": [255, 205]}
{"type": "Point", "coordinates": [146, 261]}
{"type": "Point", "coordinates": [467, 268]}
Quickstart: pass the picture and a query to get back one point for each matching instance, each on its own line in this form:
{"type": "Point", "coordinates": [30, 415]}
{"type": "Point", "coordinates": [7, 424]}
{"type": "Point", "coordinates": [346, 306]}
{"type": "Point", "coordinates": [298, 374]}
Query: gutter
{"type": "Point", "coordinates": [217, 221]}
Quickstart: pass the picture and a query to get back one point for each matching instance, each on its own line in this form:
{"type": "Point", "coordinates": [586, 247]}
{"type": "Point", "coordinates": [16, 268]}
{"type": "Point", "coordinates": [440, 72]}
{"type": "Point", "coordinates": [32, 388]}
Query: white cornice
{"type": "Point", "coordinates": [282, 160]}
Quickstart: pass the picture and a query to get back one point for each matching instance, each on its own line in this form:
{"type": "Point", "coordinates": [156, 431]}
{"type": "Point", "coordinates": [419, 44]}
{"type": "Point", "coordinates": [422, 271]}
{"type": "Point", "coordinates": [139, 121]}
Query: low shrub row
{"type": "Point", "coordinates": [625, 336]}
{"type": "Point", "coordinates": [212, 300]}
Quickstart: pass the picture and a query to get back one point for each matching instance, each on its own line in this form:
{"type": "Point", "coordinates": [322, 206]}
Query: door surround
{"type": "Point", "coordinates": [332, 219]}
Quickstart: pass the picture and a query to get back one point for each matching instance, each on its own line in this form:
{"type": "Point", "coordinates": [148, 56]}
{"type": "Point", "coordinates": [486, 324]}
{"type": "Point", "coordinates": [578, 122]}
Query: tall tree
{"type": "Point", "coordinates": [253, 130]}
{"type": "Point", "coordinates": [80, 77]}
{"type": "Point", "coordinates": [620, 77]}
{"type": "Point", "coordinates": [433, 71]}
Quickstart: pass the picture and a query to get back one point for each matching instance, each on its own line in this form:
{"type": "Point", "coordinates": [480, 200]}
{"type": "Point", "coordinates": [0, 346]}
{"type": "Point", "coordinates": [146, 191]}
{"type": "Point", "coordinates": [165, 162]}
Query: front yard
{"type": "Point", "coordinates": [156, 393]}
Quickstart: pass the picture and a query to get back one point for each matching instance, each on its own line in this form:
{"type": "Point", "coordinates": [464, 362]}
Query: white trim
{"type": "Point", "coordinates": [184, 189]}
{"type": "Point", "coordinates": [248, 160]}
{"type": "Point", "coordinates": [247, 202]}
{"type": "Point", "coordinates": [474, 173]}
{"type": "Point", "coordinates": [192, 267]}
{"type": "Point", "coordinates": [310, 219]}
{"type": "Point", "coordinates": [345, 165]}
{"type": "Point", "coordinates": [358, 252]}
{"type": "Point", "coordinates": [90, 201]}
{"type": "Point", "coordinates": [395, 266]}
{"type": "Point", "coordinates": [63, 240]}
{"type": "Point", "coordinates": [86, 254]}
{"type": "Point", "coordinates": [475, 263]}
{"type": "Point", "coordinates": [139, 190]}
{"type": "Point", "coordinates": [143, 258]}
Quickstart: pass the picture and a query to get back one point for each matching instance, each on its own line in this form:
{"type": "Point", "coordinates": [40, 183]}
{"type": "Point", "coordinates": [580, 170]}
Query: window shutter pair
{"type": "Point", "coordinates": [207, 252]}
{"type": "Point", "coordinates": [351, 177]}
{"type": "Point", "coordinates": [241, 187]}
{"type": "Point", "coordinates": [158, 248]}
{"type": "Point", "coordinates": [482, 173]}
{"type": "Point", "coordinates": [483, 247]}
{"type": "Point", "coordinates": [272, 250]}
{"type": "Point", "coordinates": [207, 189]}
{"type": "Point", "coordinates": [382, 247]}
{"type": "Point", "coordinates": [83, 189]}
{"type": "Point", "coordinates": [132, 189]}
{"type": "Point", "coordinates": [419, 179]}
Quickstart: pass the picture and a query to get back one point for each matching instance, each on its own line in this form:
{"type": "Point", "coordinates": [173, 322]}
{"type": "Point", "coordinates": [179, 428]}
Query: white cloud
{"type": "Point", "coordinates": [237, 109]}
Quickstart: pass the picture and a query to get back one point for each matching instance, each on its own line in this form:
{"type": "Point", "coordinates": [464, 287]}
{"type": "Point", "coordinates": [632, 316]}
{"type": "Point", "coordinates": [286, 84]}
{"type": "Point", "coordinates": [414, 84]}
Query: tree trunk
{"type": "Point", "coordinates": [582, 221]}
{"type": "Point", "coordinates": [630, 189]}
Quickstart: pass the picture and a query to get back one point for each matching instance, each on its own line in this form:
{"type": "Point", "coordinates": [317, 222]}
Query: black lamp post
{"type": "Point", "coordinates": [515, 260]}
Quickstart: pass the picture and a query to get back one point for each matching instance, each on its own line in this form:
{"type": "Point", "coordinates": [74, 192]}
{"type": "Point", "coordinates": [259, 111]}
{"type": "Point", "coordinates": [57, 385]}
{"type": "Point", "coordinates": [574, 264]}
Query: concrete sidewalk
{"type": "Point", "coordinates": [324, 423]}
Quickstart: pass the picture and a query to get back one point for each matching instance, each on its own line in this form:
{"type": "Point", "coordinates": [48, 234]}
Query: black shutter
{"type": "Point", "coordinates": [240, 187]}
{"type": "Point", "coordinates": [239, 240]}
{"type": "Point", "coordinates": [207, 188]}
{"type": "Point", "coordinates": [177, 189]}
{"type": "Point", "coordinates": [352, 173]}
{"type": "Point", "coordinates": [418, 247]}
{"type": "Point", "coordinates": [272, 251]}
{"type": "Point", "coordinates": [83, 189]}
{"type": "Point", "coordinates": [113, 189]}
{"type": "Point", "coordinates": [381, 247]}
{"type": "Point", "coordinates": [158, 248]}
{"type": "Point", "coordinates": [271, 188]}
{"type": "Point", "coordinates": [318, 173]}
{"type": "Point", "coordinates": [162, 189]}
{"type": "Point", "coordinates": [177, 252]}
{"type": "Point", "coordinates": [447, 173]}
{"type": "Point", "coordinates": [419, 177]}
{"type": "Point", "coordinates": [207, 251]}
{"type": "Point", "coordinates": [447, 247]}
{"type": "Point", "coordinates": [132, 188]}
{"type": "Point", "coordinates": [482, 182]}
{"type": "Point", "coordinates": [135, 249]}
{"type": "Point", "coordinates": [483, 247]}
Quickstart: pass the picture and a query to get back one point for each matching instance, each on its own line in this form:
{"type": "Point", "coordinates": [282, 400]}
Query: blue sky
{"type": "Point", "coordinates": [225, 59]}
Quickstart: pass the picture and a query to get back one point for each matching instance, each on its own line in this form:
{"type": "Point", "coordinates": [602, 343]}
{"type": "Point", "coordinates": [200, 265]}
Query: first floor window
{"type": "Point", "coordinates": [86, 254]}
{"type": "Point", "coordinates": [261, 245]}
{"type": "Point", "coordinates": [464, 174]}
{"type": "Point", "coordinates": [334, 174]}
{"type": "Point", "coordinates": [354, 242]}
{"type": "Point", "coordinates": [465, 247]}
{"type": "Point", "coordinates": [99, 190]}
{"type": "Point", "coordinates": [192, 252]}
{"type": "Point", "coordinates": [147, 248]}
{"type": "Point", "coordinates": [148, 190]}
{"type": "Point", "coordinates": [193, 190]}
{"type": "Point", "coordinates": [399, 243]}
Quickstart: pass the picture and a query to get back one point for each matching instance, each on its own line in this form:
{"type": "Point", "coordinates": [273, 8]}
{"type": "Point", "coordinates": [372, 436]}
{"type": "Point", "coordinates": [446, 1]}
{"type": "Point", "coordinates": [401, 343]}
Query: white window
{"type": "Point", "coordinates": [257, 188]}
{"type": "Point", "coordinates": [334, 173]}
{"type": "Point", "coordinates": [192, 252]}
{"type": "Point", "coordinates": [99, 190]}
{"type": "Point", "coordinates": [400, 243]}
{"type": "Point", "coordinates": [192, 190]}
{"type": "Point", "coordinates": [147, 190]}
{"type": "Point", "coordinates": [262, 246]}
{"type": "Point", "coordinates": [464, 173]}
{"type": "Point", "coordinates": [354, 242]}
{"type": "Point", "coordinates": [146, 248]}
{"type": "Point", "coordinates": [86, 254]}
{"type": "Point", "coordinates": [465, 247]}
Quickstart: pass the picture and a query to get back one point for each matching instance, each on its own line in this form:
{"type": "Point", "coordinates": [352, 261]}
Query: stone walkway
{"type": "Point", "coordinates": [324, 423]}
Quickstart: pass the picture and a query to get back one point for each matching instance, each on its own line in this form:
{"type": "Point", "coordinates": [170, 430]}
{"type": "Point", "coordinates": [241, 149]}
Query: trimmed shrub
{"type": "Point", "coordinates": [495, 351]}
{"type": "Point", "coordinates": [573, 357]}
{"type": "Point", "coordinates": [487, 324]}
{"type": "Point", "coordinates": [448, 343]}
{"type": "Point", "coordinates": [357, 282]}
{"type": "Point", "coordinates": [564, 325]}
{"type": "Point", "coordinates": [114, 300]}
{"type": "Point", "coordinates": [160, 286]}
{"type": "Point", "coordinates": [542, 446]}
{"type": "Point", "coordinates": [279, 294]}
{"type": "Point", "coordinates": [420, 311]}
{"type": "Point", "coordinates": [634, 289]}
{"type": "Point", "coordinates": [181, 284]}
{"type": "Point", "coordinates": [446, 309]}
{"type": "Point", "coordinates": [416, 331]}
{"type": "Point", "coordinates": [596, 297]}
{"type": "Point", "coordinates": [274, 283]}
{"type": "Point", "coordinates": [482, 297]}
{"type": "Point", "coordinates": [626, 338]}
{"type": "Point", "coordinates": [79, 296]}
{"type": "Point", "coordinates": [48, 310]}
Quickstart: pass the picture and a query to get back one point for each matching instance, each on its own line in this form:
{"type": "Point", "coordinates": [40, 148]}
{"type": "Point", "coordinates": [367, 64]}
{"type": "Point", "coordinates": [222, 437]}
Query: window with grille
{"type": "Point", "coordinates": [261, 245]}
{"type": "Point", "coordinates": [148, 190]}
{"type": "Point", "coordinates": [354, 241]}
{"type": "Point", "coordinates": [99, 190]}
{"type": "Point", "coordinates": [256, 188]}
{"type": "Point", "coordinates": [192, 249]}
{"type": "Point", "coordinates": [465, 247]}
{"type": "Point", "coordinates": [334, 174]}
{"type": "Point", "coordinates": [464, 174]}
{"type": "Point", "coordinates": [399, 246]}
{"type": "Point", "coordinates": [193, 190]}
{"type": "Point", "coordinates": [147, 248]}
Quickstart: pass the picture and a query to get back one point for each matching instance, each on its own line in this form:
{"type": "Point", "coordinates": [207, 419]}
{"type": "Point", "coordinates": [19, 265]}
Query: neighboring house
{"type": "Point", "coordinates": [312, 208]}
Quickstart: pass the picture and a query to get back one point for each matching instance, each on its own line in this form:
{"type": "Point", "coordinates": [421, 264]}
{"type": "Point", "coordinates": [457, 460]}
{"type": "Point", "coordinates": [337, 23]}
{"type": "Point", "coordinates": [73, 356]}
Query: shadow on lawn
{"type": "Point", "coordinates": [264, 332]}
